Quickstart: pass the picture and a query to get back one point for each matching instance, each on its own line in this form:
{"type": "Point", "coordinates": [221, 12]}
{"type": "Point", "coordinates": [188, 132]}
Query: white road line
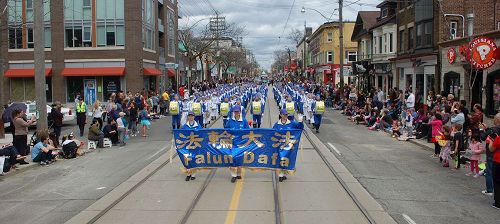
{"type": "Point", "coordinates": [408, 219]}
{"type": "Point", "coordinates": [334, 148]}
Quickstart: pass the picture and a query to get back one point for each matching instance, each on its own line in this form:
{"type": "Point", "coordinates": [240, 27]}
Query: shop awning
{"type": "Point", "coordinates": [25, 73]}
{"type": "Point", "coordinates": [171, 72]}
{"type": "Point", "coordinates": [101, 71]}
{"type": "Point", "coordinates": [152, 72]}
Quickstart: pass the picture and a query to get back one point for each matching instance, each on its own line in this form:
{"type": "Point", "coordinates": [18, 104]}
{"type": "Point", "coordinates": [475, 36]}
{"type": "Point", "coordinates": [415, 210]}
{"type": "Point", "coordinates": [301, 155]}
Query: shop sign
{"type": "Point", "coordinates": [482, 52]}
{"type": "Point", "coordinates": [451, 55]}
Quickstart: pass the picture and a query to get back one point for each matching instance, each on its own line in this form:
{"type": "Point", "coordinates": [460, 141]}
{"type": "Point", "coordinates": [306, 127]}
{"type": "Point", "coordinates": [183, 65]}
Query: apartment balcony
{"type": "Point", "coordinates": [161, 28]}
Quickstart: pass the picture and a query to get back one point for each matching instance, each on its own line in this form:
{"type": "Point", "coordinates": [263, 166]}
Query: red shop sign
{"type": "Point", "coordinates": [452, 55]}
{"type": "Point", "coordinates": [482, 52]}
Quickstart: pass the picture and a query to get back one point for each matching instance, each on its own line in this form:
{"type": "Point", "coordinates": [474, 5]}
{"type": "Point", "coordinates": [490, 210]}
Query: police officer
{"type": "Point", "coordinates": [236, 122]}
{"type": "Point", "coordinates": [175, 109]}
{"type": "Point", "coordinates": [191, 124]}
{"type": "Point", "coordinates": [81, 110]}
{"type": "Point", "coordinates": [318, 108]}
{"type": "Point", "coordinates": [283, 124]}
{"type": "Point", "coordinates": [256, 110]}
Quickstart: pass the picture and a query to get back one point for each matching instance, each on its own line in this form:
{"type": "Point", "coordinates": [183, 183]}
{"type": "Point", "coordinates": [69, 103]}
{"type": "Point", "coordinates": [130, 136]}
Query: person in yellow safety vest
{"type": "Point", "coordinates": [224, 110]}
{"type": "Point", "coordinates": [290, 107]}
{"type": "Point", "coordinates": [81, 116]}
{"type": "Point", "coordinates": [257, 110]}
{"type": "Point", "coordinates": [199, 110]}
{"type": "Point", "coordinates": [175, 108]}
{"type": "Point", "coordinates": [318, 107]}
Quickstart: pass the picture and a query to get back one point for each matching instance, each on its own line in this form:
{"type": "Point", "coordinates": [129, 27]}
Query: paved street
{"type": "Point", "coordinates": [404, 179]}
{"type": "Point", "coordinates": [56, 193]}
{"type": "Point", "coordinates": [159, 194]}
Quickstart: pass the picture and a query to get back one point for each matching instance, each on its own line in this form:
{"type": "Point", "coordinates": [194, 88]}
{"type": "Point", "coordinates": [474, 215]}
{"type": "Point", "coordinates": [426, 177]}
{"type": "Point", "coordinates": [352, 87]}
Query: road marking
{"type": "Point", "coordinates": [334, 148]}
{"type": "Point", "coordinates": [408, 219]}
{"type": "Point", "coordinates": [235, 199]}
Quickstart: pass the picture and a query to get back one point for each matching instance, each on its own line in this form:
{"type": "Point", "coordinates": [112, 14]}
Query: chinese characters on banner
{"type": "Point", "coordinates": [256, 148]}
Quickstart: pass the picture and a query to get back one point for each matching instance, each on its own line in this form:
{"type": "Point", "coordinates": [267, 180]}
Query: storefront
{"type": "Point", "coordinates": [93, 83]}
{"type": "Point", "coordinates": [151, 76]}
{"type": "Point", "coordinates": [471, 71]}
{"type": "Point", "coordinates": [417, 74]}
{"type": "Point", "coordinates": [22, 84]}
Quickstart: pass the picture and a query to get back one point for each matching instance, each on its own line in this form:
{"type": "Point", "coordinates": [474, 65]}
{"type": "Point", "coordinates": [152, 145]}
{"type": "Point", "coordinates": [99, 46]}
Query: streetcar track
{"type": "Point", "coordinates": [342, 182]}
{"type": "Point", "coordinates": [277, 204]}
{"type": "Point", "coordinates": [143, 180]}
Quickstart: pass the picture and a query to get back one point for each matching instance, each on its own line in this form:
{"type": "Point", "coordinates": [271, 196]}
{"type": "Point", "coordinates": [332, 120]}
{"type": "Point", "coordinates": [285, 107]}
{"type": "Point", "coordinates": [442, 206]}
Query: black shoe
{"type": "Point", "coordinates": [233, 179]}
{"type": "Point", "coordinates": [280, 179]}
{"type": "Point", "coordinates": [193, 178]}
{"type": "Point", "coordinates": [317, 131]}
{"type": "Point", "coordinates": [22, 162]}
{"type": "Point", "coordinates": [284, 178]}
{"type": "Point", "coordinates": [188, 178]}
{"type": "Point", "coordinates": [238, 177]}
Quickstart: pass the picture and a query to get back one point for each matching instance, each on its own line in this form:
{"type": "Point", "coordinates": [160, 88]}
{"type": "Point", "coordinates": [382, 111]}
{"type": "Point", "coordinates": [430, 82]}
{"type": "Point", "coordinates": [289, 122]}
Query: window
{"type": "Point", "coordinates": [87, 3]}
{"type": "Point", "coordinates": [401, 40]}
{"type": "Point", "coordinates": [375, 45]}
{"type": "Point", "coordinates": [329, 57]}
{"type": "Point", "coordinates": [110, 23]}
{"type": "Point", "coordinates": [329, 37]}
{"type": "Point", "coordinates": [380, 45]}
{"type": "Point", "coordinates": [384, 12]}
{"type": "Point", "coordinates": [385, 43]}
{"type": "Point", "coordinates": [87, 37]}
{"type": "Point", "coordinates": [148, 24]}
{"type": "Point", "coordinates": [391, 42]}
{"type": "Point", "coordinates": [29, 4]}
{"type": "Point", "coordinates": [17, 26]}
{"type": "Point", "coordinates": [352, 56]}
{"type": "Point", "coordinates": [411, 38]}
{"type": "Point", "coordinates": [419, 34]}
{"type": "Point", "coordinates": [453, 30]}
{"type": "Point", "coordinates": [428, 33]}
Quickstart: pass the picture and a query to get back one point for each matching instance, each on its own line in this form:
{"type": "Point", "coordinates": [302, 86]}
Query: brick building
{"type": "Point", "coordinates": [461, 22]}
{"type": "Point", "coordinates": [93, 47]}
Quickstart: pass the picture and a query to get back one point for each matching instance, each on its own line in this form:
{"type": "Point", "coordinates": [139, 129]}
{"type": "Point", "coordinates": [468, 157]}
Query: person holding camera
{"type": "Point", "coordinates": [494, 149]}
{"type": "Point", "coordinates": [489, 134]}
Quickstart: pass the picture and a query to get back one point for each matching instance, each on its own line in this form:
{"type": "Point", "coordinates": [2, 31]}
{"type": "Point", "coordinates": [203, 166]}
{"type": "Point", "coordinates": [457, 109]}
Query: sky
{"type": "Point", "coordinates": [268, 22]}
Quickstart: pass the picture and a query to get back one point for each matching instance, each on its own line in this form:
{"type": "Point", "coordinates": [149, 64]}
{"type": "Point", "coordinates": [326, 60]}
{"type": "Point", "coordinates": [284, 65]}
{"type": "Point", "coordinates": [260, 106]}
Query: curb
{"type": "Point", "coordinates": [422, 145]}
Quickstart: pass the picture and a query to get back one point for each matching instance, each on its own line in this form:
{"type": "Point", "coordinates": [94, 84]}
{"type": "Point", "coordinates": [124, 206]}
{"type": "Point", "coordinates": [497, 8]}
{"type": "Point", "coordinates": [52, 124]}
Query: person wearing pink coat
{"type": "Point", "coordinates": [477, 148]}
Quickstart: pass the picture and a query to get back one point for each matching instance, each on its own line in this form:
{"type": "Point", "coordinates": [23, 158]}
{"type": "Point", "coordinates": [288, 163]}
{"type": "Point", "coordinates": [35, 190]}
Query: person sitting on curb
{"type": "Point", "coordinates": [14, 156]}
{"type": "Point", "coordinates": [42, 151]}
{"type": "Point", "coordinates": [95, 134]}
{"type": "Point", "coordinates": [111, 131]}
{"type": "Point", "coordinates": [71, 147]}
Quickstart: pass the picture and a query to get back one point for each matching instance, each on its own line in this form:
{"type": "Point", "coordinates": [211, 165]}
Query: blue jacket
{"type": "Point", "coordinates": [288, 125]}
{"type": "Point", "coordinates": [237, 124]}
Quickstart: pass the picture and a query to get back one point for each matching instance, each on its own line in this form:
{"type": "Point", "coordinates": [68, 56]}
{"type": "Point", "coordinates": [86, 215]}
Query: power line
{"type": "Point", "coordinates": [286, 23]}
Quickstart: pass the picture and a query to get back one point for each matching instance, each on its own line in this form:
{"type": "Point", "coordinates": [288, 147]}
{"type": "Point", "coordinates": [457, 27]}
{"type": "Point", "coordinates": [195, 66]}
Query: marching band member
{"type": "Point", "coordinates": [236, 122]}
{"type": "Point", "coordinates": [199, 109]}
{"type": "Point", "coordinates": [206, 104]}
{"type": "Point", "coordinates": [224, 111]}
{"type": "Point", "coordinates": [213, 107]}
{"type": "Point", "coordinates": [191, 124]}
{"type": "Point", "coordinates": [186, 106]}
{"type": "Point", "coordinates": [290, 107]}
{"type": "Point", "coordinates": [175, 109]}
{"type": "Point", "coordinates": [318, 109]}
{"type": "Point", "coordinates": [283, 124]}
{"type": "Point", "coordinates": [257, 110]}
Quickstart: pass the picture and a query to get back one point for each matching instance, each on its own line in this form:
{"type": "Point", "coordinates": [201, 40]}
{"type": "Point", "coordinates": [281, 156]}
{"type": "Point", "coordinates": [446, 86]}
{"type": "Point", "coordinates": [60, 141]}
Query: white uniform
{"type": "Point", "coordinates": [185, 109]}
{"type": "Point", "coordinates": [213, 107]}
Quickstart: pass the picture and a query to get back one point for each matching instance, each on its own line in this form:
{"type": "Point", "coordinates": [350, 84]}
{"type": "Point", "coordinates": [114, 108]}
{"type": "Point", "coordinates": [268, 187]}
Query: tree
{"type": "Point", "coordinates": [295, 36]}
{"type": "Point", "coordinates": [199, 44]}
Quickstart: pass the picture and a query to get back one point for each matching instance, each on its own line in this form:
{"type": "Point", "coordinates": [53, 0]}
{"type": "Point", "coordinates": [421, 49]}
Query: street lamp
{"type": "Point", "coordinates": [328, 19]}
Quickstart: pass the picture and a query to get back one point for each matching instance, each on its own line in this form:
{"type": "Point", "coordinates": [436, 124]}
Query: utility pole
{"type": "Point", "coordinates": [39, 56]}
{"type": "Point", "coordinates": [217, 24]}
{"type": "Point", "coordinates": [3, 48]}
{"type": "Point", "coordinates": [341, 41]}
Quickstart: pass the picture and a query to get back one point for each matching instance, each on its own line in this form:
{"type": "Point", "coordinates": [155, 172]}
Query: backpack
{"type": "Point", "coordinates": [69, 150]}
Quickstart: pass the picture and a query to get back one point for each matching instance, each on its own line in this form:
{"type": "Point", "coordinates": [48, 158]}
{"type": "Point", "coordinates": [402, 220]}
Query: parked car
{"type": "Point", "coordinates": [68, 114]}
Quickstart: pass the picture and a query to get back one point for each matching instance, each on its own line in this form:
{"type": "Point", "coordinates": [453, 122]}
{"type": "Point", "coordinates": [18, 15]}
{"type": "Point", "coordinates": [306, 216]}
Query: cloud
{"type": "Point", "coordinates": [265, 20]}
